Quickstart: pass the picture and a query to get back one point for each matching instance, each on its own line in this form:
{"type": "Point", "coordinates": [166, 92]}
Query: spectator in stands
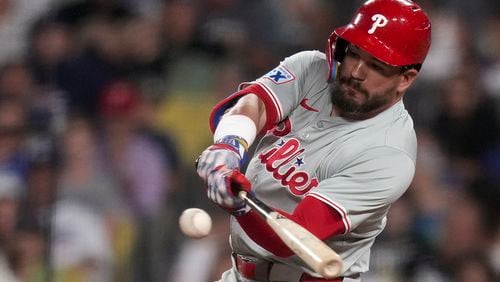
{"type": "Point", "coordinates": [139, 163]}
{"type": "Point", "coordinates": [13, 128]}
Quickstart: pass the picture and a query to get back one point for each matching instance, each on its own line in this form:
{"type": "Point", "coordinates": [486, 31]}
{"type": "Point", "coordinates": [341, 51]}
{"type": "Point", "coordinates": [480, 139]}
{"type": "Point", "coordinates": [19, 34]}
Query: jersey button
{"type": "Point", "coordinates": [320, 124]}
{"type": "Point", "coordinates": [305, 135]}
{"type": "Point", "coordinates": [255, 178]}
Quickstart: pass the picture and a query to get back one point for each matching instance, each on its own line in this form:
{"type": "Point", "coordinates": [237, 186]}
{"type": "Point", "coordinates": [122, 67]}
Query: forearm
{"type": "Point", "coordinates": [241, 123]}
{"type": "Point", "coordinates": [251, 106]}
{"type": "Point", "coordinates": [220, 163]}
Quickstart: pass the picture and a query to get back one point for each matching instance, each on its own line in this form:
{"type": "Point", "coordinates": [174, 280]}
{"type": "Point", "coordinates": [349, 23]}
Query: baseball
{"type": "Point", "coordinates": [195, 223]}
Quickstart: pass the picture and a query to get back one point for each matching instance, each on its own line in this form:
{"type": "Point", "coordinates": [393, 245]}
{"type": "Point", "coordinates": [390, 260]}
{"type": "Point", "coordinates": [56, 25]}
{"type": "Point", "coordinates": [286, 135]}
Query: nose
{"type": "Point", "coordinates": [359, 70]}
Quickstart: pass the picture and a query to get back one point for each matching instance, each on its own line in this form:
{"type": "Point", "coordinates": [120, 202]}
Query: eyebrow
{"type": "Point", "coordinates": [357, 49]}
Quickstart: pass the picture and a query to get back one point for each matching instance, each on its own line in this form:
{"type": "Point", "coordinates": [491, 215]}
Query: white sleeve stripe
{"type": "Point", "coordinates": [337, 207]}
{"type": "Point", "coordinates": [275, 100]}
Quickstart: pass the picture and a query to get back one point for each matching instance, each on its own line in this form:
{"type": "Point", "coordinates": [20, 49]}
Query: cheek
{"type": "Point", "coordinates": [345, 68]}
{"type": "Point", "coordinates": [383, 86]}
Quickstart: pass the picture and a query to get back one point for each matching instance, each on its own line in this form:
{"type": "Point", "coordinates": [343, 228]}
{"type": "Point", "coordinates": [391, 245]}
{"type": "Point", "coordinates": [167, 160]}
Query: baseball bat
{"type": "Point", "coordinates": [314, 252]}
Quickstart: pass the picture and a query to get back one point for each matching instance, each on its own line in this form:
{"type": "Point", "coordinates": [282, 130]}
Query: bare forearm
{"type": "Point", "coordinates": [250, 105]}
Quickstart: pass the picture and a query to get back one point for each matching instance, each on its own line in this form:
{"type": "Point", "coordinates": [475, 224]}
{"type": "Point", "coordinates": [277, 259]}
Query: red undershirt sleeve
{"type": "Point", "coordinates": [320, 219]}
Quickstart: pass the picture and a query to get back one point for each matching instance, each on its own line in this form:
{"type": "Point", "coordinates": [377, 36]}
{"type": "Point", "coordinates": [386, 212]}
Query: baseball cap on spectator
{"type": "Point", "coordinates": [10, 186]}
{"type": "Point", "coordinates": [119, 99]}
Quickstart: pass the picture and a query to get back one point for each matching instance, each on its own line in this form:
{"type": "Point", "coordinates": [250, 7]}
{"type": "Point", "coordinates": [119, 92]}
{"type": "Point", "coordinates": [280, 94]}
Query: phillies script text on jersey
{"type": "Point", "coordinates": [299, 182]}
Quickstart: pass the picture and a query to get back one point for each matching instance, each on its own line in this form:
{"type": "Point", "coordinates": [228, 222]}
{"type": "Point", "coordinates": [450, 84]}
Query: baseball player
{"type": "Point", "coordinates": [335, 144]}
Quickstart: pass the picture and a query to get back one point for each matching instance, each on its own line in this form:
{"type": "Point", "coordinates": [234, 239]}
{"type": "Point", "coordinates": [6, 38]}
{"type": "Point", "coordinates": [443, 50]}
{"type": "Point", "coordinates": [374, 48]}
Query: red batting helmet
{"type": "Point", "coordinates": [396, 32]}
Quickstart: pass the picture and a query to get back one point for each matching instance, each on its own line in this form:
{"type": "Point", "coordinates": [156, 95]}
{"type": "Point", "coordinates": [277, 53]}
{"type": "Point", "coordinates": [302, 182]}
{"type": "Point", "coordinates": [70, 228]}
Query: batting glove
{"type": "Point", "coordinates": [219, 166]}
{"type": "Point", "coordinates": [223, 188]}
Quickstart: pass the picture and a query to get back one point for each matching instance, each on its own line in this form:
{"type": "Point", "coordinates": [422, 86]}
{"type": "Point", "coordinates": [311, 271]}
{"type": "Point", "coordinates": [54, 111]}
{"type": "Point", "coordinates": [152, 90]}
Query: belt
{"type": "Point", "coordinates": [259, 270]}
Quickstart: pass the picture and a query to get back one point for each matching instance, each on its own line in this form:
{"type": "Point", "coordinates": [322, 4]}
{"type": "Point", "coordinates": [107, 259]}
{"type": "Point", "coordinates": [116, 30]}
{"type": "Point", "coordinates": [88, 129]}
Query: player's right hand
{"type": "Point", "coordinates": [214, 157]}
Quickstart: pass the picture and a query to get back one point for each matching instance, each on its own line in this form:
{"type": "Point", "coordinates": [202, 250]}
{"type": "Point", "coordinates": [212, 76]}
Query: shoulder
{"type": "Point", "coordinates": [392, 129]}
{"type": "Point", "coordinates": [389, 136]}
{"type": "Point", "coordinates": [310, 64]}
{"type": "Point", "coordinates": [401, 134]}
{"type": "Point", "coordinates": [307, 57]}
{"type": "Point", "coordinates": [382, 170]}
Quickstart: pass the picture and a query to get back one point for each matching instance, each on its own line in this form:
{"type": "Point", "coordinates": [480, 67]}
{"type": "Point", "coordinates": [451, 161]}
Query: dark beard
{"type": "Point", "coordinates": [342, 100]}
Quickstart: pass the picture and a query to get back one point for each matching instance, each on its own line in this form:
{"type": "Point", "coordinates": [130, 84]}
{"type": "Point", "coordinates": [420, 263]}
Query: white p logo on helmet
{"type": "Point", "coordinates": [378, 21]}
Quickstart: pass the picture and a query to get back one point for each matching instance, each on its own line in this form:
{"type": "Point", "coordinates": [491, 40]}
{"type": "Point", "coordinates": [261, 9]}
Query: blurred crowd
{"type": "Point", "coordinates": [104, 106]}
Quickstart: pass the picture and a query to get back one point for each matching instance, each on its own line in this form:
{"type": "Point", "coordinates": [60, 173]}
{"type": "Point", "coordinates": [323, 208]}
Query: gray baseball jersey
{"type": "Point", "coordinates": [357, 167]}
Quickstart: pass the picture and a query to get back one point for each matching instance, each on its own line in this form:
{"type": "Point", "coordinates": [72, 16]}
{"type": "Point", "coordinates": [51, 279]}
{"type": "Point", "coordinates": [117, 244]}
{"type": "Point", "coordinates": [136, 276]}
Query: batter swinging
{"type": "Point", "coordinates": [335, 144]}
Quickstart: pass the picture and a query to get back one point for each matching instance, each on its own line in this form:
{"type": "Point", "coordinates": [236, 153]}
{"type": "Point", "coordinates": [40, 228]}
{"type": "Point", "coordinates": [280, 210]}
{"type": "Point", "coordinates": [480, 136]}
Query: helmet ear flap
{"type": "Point", "coordinates": [333, 70]}
{"type": "Point", "coordinates": [336, 54]}
{"type": "Point", "coordinates": [340, 48]}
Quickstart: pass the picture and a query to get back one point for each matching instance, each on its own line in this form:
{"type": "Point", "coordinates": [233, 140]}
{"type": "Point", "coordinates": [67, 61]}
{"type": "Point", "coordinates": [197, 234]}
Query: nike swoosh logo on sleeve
{"type": "Point", "coordinates": [304, 104]}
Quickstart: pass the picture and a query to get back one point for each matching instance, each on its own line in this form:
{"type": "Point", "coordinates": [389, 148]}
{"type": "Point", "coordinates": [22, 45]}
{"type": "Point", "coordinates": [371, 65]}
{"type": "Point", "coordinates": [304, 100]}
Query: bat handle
{"type": "Point", "coordinates": [242, 194]}
{"type": "Point", "coordinates": [262, 209]}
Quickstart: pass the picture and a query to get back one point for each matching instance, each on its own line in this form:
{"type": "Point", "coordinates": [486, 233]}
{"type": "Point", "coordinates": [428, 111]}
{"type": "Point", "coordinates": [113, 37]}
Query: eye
{"type": "Point", "coordinates": [377, 67]}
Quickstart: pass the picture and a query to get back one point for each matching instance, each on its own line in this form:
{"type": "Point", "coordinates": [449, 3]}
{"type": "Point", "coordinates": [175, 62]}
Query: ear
{"type": "Point", "coordinates": [406, 79]}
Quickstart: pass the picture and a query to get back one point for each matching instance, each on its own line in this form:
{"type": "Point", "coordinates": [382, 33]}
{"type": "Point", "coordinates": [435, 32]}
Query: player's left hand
{"type": "Point", "coordinates": [223, 185]}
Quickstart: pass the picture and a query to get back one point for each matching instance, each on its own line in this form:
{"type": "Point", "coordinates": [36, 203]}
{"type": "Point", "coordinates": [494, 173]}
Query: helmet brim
{"type": "Point", "coordinates": [372, 45]}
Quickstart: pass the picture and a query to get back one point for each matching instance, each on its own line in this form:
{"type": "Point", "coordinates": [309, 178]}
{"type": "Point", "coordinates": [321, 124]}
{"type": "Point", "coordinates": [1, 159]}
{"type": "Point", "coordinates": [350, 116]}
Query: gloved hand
{"type": "Point", "coordinates": [219, 166]}
{"type": "Point", "coordinates": [223, 188]}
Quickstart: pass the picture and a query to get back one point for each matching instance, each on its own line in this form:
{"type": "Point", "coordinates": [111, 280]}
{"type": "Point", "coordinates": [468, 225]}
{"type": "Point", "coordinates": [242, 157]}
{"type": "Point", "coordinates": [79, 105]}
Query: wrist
{"type": "Point", "coordinates": [234, 143]}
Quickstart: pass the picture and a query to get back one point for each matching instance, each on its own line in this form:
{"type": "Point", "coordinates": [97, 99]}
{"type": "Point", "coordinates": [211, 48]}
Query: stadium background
{"type": "Point", "coordinates": [104, 106]}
